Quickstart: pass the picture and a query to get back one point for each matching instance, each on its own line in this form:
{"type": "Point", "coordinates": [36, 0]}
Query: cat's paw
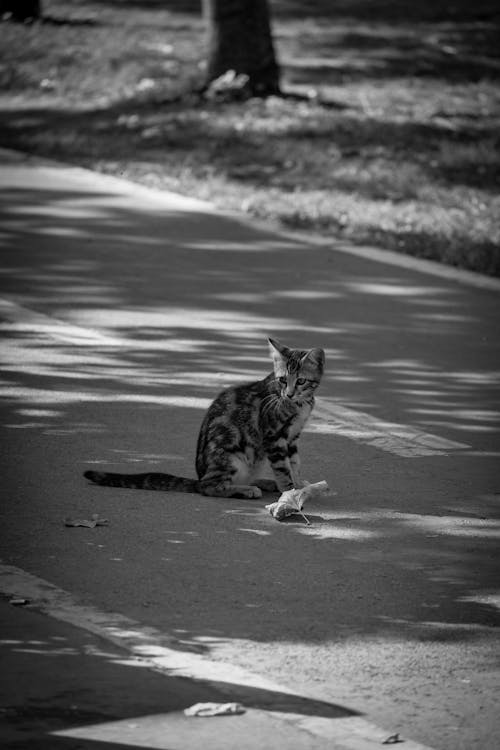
{"type": "Point", "coordinates": [245, 490]}
{"type": "Point", "coordinates": [267, 485]}
{"type": "Point", "coordinates": [253, 492]}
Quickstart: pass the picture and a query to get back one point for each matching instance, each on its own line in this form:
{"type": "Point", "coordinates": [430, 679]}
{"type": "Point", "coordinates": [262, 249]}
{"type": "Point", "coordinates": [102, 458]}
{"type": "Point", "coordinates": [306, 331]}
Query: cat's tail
{"type": "Point", "coordinates": [148, 481]}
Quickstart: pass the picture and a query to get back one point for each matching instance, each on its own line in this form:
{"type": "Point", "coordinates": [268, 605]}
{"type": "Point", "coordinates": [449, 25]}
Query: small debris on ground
{"type": "Point", "coordinates": [214, 709]}
{"type": "Point", "coordinates": [230, 86]}
{"type": "Point", "coordinates": [392, 740]}
{"type": "Point", "coordinates": [91, 523]}
{"type": "Point", "coordinates": [292, 501]}
{"type": "Point", "coordinates": [19, 602]}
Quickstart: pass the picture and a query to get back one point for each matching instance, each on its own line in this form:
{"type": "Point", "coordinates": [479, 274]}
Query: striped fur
{"type": "Point", "coordinates": [249, 434]}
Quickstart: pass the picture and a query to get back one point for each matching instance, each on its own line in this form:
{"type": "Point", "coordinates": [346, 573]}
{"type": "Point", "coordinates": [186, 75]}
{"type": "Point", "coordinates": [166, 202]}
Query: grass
{"type": "Point", "coordinates": [400, 149]}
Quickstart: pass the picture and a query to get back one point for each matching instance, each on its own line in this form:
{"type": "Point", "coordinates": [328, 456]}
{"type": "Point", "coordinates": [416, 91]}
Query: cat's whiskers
{"type": "Point", "coordinates": [276, 406]}
{"type": "Point", "coordinates": [269, 404]}
{"type": "Point", "coordinates": [282, 406]}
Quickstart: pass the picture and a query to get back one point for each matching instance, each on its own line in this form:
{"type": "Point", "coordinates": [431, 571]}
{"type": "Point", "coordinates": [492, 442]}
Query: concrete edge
{"type": "Point", "coordinates": [376, 254]}
{"type": "Point", "coordinates": [161, 653]}
{"type": "Point", "coordinates": [185, 203]}
{"type": "Point", "coordinates": [109, 182]}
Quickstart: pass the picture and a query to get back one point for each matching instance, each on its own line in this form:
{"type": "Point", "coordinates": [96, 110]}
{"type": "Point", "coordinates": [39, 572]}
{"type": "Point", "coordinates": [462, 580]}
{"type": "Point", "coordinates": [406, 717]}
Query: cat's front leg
{"type": "Point", "coordinates": [293, 455]}
{"type": "Point", "coordinates": [277, 453]}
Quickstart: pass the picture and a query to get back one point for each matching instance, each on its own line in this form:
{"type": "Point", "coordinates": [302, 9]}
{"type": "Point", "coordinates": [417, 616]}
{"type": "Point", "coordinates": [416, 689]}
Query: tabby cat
{"type": "Point", "coordinates": [246, 430]}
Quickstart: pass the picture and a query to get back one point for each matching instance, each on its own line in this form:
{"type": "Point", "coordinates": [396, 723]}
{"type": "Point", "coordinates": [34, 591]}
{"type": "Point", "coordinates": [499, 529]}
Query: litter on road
{"type": "Point", "coordinates": [292, 501]}
{"type": "Point", "coordinates": [214, 709]}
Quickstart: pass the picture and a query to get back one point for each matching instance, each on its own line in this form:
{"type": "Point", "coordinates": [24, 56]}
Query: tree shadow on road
{"type": "Point", "coordinates": [98, 695]}
{"type": "Point", "coordinates": [141, 317]}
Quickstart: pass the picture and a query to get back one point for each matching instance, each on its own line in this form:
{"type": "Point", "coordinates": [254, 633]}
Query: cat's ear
{"type": "Point", "coordinates": [279, 355]}
{"type": "Point", "coordinates": [317, 358]}
{"type": "Point", "coordinates": [275, 346]}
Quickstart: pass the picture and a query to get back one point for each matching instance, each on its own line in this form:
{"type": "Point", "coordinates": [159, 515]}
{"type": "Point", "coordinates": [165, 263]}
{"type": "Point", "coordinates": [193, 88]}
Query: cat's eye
{"type": "Point", "coordinates": [301, 381]}
{"type": "Point", "coordinates": [283, 380]}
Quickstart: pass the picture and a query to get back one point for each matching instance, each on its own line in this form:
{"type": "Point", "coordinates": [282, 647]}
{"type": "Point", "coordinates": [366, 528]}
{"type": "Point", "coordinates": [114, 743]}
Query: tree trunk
{"type": "Point", "coordinates": [21, 10]}
{"type": "Point", "coordinates": [240, 40]}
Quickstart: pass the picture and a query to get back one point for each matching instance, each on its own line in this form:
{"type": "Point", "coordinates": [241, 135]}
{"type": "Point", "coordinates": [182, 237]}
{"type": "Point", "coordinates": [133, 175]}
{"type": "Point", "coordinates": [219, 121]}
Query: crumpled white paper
{"type": "Point", "coordinates": [214, 709]}
{"type": "Point", "coordinates": [292, 501]}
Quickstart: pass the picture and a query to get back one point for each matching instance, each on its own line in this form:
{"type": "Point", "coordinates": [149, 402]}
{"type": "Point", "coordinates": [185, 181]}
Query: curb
{"type": "Point", "coordinates": [162, 654]}
{"type": "Point", "coordinates": [184, 203]}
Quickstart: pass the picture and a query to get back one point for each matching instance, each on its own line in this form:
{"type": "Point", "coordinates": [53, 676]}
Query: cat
{"type": "Point", "coordinates": [246, 431]}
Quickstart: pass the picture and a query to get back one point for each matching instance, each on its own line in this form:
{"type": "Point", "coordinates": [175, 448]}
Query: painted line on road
{"type": "Point", "coordinates": [328, 417]}
{"type": "Point", "coordinates": [401, 440]}
{"type": "Point", "coordinates": [164, 654]}
{"type": "Point", "coordinates": [20, 318]}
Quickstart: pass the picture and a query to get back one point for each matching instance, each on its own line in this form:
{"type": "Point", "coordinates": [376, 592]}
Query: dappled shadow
{"type": "Point", "coordinates": [133, 315]}
{"type": "Point", "coordinates": [173, 6]}
{"type": "Point", "coordinates": [61, 21]}
{"type": "Point", "coordinates": [124, 319]}
{"type": "Point", "coordinates": [400, 120]}
{"type": "Point", "coordinates": [98, 694]}
{"type": "Point", "coordinates": [250, 159]}
{"type": "Point", "coordinates": [360, 9]}
{"type": "Point", "coordinates": [50, 20]}
{"type": "Point", "coordinates": [401, 11]}
{"type": "Point", "coordinates": [464, 52]}
{"type": "Point", "coordinates": [341, 42]}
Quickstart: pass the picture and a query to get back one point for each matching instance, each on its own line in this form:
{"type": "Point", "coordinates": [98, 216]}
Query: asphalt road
{"type": "Point", "coordinates": [123, 313]}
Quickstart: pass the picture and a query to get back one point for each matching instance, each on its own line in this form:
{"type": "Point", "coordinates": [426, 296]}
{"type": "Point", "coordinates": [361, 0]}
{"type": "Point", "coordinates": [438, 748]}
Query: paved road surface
{"type": "Point", "coordinates": [123, 313]}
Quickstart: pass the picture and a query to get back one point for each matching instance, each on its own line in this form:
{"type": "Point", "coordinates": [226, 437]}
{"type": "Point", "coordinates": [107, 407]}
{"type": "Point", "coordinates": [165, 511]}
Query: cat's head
{"type": "Point", "coordinates": [297, 372]}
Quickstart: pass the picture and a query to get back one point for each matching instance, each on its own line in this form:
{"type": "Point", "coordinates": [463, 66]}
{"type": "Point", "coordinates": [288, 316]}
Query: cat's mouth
{"type": "Point", "coordinates": [293, 400]}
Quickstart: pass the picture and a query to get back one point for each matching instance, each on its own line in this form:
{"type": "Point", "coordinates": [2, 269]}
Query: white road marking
{"type": "Point", "coordinates": [328, 417]}
{"type": "Point", "coordinates": [22, 318]}
{"type": "Point", "coordinates": [46, 396]}
{"type": "Point", "coordinates": [402, 440]}
{"type": "Point", "coordinates": [157, 651]}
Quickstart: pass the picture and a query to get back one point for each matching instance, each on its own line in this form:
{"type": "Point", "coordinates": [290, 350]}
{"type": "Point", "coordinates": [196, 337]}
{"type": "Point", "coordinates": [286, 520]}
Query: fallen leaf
{"type": "Point", "coordinates": [292, 501]}
{"type": "Point", "coordinates": [88, 523]}
{"type": "Point", "coordinates": [392, 740]}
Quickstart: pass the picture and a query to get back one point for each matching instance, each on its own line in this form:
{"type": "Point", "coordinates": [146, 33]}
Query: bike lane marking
{"type": "Point", "coordinates": [401, 440]}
